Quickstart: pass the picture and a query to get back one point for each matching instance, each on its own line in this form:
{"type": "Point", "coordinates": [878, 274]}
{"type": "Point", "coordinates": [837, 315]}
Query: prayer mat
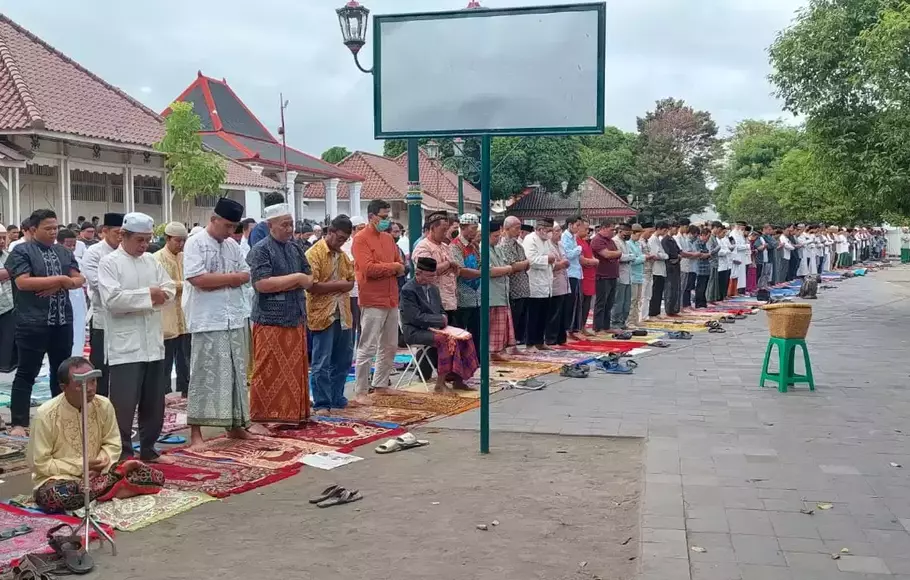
{"type": "Point", "coordinates": [386, 416]}
{"type": "Point", "coordinates": [474, 393]}
{"type": "Point", "coordinates": [563, 356]}
{"type": "Point", "coordinates": [521, 370]}
{"type": "Point", "coordinates": [218, 478]}
{"type": "Point", "coordinates": [135, 513]}
{"type": "Point", "coordinates": [604, 345]}
{"type": "Point", "coordinates": [336, 433]}
{"type": "Point", "coordinates": [13, 549]}
{"type": "Point", "coordinates": [12, 455]}
{"type": "Point", "coordinates": [174, 420]}
{"type": "Point", "coordinates": [439, 404]}
{"type": "Point", "coordinates": [267, 452]}
{"type": "Point", "coordinates": [663, 326]}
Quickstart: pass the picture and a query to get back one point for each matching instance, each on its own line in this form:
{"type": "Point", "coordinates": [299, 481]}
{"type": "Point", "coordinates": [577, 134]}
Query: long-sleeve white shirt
{"type": "Point", "coordinates": [786, 245]}
{"type": "Point", "coordinates": [133, 331]}
{"type": "Point", "coordinates": [725, 254]}
{"type": "Point", "coordinates": [655, 248]}
{"type": "Point", "coordinates": [90, 262]}
{"type": "Point", "coordinates": [540, 274]}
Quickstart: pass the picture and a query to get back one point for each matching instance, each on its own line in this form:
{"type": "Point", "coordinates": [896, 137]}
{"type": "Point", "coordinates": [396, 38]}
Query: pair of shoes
{"type": "Point", "coordinates": [336, 495]}
{"type": "Point", "coordinates": [574, 371]}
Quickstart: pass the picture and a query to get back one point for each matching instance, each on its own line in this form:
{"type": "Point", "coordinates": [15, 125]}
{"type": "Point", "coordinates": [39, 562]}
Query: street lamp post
{"type": "Point", "coordinates": [353, 18]}
{"type": "Point", "coordinates": [458, 145]}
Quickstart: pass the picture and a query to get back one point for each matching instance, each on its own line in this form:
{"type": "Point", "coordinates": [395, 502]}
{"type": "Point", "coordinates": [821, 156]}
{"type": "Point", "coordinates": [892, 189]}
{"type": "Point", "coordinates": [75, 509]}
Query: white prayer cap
{"type": "Point", "coordinates": [175, 230]}
{"type": "Point", "coordinates": [277, 210]}
{"type": "Point", "coordinates": [2, 229]}
{"type": "Point", "coordinates": [138, 223]}
{"type": "Point", "coordinates": [357, 221]}
{"type": "Point", "coordinates": [195, 230]}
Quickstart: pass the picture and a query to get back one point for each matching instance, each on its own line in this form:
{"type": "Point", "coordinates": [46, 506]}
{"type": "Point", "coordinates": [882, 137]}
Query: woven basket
{"type": "Point", "coordinates": [790, 320]}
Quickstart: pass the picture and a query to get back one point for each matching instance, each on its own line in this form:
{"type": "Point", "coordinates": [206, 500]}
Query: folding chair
{"type": "Point", "coordinates": [419, 353]}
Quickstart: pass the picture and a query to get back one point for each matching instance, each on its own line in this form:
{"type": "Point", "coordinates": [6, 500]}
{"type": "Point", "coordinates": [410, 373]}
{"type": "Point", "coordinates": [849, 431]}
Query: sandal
{"type": "Point", "coordinates": [739, 316]}
{"type": "Point", "coordinates": [679, 335]}
{"type": "Point", "coordinates": [330, 491]}
{"type": "Point", "coordinates": [574, 371]}
{"type": "Point", "coordinates": [712, 324]}
{"type": "Point", "coordinates": [346, 496]}
{"type": "Point", "coordinates": [640, 332]}
{"type": "Point", "coordinates": [11, 533]}
{"type": "Point", "coordinates": [400, 443]}
{"type": "Point", "coordinates": [716, 330]}
{"type": "Point", "coordinates": [172, 439]}
{"type": "Point", "coordinates": [613, 367]}
{"type": "Point", "coordinates": [623, 336]}
{"type": "Point", "coordinates": [727, 320]}
{"type": "Point", "coordinates": [660, 344]}
{"type": "Point", "coordinates": [70, 549]}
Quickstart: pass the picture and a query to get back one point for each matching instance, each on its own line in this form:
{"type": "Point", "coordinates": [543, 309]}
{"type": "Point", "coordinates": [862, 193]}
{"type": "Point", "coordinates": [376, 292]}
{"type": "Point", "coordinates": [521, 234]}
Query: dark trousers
{"type": "Point", "coordinates": [9, 358]}
{"type": "Point", "coordinates": [575, 299]}
{"type": "Point", "coordinates": [723, 280]}
{"type": "Point", "coordinates": [519, 318]}
{"type": "Point", "coordinates": [581, 320]}
{"type": "Point", "coordinates": [605, 293]}
{"type": "Point", "coordinates": [33, 342]}
{"type": "Point", "coordinates": [688, 284]}
{"type": "Point", "coordinates": [538, 312]}
{"type": "Point", "coordinates": [177, 351]}
{"type": "Point", "coordinates": [560, 319]}
{"type": "Point", "coordinates": [672, 289]}
{"type": "Point", "coordinates": [793, 266]}
{"type": "Point", "coordinates": [701, 287]}
{"type": "Point", "coordinates": [469, 319]}
{"type": "Point", "coordinates": [658, 283]}
{"type": "Point", "coordinates": [138, 385]}
{"type": "Point", "coordinates": [333, 352]}
{"type": "Point", "coordinates": [96, 341]}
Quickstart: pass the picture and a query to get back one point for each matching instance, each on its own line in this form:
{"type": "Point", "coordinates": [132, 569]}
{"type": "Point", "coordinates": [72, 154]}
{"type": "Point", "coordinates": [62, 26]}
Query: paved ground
{"type": "Point", "coordinates": [729, 466]}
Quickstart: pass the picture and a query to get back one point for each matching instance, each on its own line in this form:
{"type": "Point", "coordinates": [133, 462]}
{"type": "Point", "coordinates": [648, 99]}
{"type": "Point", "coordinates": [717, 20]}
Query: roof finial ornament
{"type": "Point", "coordinates": [199, 73]}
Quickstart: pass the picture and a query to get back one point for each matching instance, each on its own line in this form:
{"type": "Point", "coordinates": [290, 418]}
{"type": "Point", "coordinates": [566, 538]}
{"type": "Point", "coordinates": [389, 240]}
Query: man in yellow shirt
{"type": "Point", "coordinates": [55, 448]}
{"type": "Point", "coordinates": [177, 341]}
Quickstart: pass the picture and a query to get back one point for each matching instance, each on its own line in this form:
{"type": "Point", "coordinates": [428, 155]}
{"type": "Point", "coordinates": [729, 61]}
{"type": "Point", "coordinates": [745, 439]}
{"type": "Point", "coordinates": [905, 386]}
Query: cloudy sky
{"type": "Point", "coordinates": [712, 53]}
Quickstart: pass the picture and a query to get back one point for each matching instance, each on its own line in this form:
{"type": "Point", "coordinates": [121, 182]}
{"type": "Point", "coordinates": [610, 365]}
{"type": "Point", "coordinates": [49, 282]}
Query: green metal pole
{"type": "Point", "coordinates": [460, 193]}
{"type": "Point", "coordinates": [415, 194]}
{"type": "Point", "coordinates": [485, 183]}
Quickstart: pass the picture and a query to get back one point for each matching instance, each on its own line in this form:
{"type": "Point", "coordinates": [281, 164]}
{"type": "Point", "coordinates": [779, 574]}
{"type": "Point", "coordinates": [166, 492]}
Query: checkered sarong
{"type": "Point", "coordinates": [502, 333]}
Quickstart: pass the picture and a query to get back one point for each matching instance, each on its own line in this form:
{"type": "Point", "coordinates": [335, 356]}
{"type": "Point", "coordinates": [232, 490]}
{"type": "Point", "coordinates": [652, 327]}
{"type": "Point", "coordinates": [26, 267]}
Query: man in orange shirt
{"type": "Point", "coordinates": [377, 265]}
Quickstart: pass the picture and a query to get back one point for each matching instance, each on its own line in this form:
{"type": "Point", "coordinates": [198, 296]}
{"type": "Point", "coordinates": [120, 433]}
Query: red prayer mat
{"type": "Point", "coordinates": [13, 549]}
{"type": "Point", "coordinates": [338, 433]}
{"type": "Point", "coordinates": [266, 452]}
{"type": "Point", "coordinates": [218, 478]}
{"type": "Point", "coordinates": [604, 345]}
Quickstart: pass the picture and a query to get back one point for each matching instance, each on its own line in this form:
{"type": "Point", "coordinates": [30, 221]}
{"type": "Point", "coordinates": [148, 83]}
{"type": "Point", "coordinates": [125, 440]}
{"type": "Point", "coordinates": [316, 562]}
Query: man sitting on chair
{"type": "Point", "coordinates": [421, 314]}
{"type": "Point", "coordinates": [55, 448]}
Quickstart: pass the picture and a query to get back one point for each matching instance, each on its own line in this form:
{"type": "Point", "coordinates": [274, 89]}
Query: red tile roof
{"type": "Point", "coordinates": [43, 89]}
{"type": "Point", "coordinates": [384, 178]}
{"type": "Point", "coordinates": [439, 180]}
{"type": "Point", "coordinates": [229, 127]}
{"type": "Point", "coordinates": [241, 175]}
{"type": "Point", "coordinates": [597, 200]}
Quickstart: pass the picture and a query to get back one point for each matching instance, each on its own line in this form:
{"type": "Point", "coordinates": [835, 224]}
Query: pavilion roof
{"type": "Point", "coordinates": [229, 127]}
{"type": "Point", "coordinates": [42, 89]}
{"type": "Point", "coordinates": [592, 199]}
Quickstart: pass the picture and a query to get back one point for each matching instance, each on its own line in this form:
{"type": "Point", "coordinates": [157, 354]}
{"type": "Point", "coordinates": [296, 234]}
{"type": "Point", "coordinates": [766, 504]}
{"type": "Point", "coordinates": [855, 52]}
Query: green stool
{"type": "Point", "coordinates": [786, 351]}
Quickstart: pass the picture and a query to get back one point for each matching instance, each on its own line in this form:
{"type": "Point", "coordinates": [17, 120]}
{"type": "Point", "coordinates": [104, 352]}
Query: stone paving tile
{"type": "Point", "coordinates": [729, 464]}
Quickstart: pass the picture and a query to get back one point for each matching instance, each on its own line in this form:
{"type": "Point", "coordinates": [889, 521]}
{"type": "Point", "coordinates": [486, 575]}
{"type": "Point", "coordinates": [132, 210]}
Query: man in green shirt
{"type": "Point", "coordinates": [502, 333]}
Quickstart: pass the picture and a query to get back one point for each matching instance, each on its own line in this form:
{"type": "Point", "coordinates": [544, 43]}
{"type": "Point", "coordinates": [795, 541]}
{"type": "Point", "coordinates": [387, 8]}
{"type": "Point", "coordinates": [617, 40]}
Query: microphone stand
{"type": "Point", "coordinates": [88, 523]}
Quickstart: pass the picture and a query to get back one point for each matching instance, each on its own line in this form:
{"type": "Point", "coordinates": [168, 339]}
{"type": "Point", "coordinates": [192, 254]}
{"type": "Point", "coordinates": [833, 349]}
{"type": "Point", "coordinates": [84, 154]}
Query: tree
{"type": "Point", "coordinates": [192, 170]}
{"type": "Point", "coordinates": [844, 65]}
{"type": "Point", "coordinates": [542, 161]}
{"type": "Point", "coordinates": [335, 154]}
{"type": "Point", "coordinates": [610, 158]}
{"type": "Point", "coordinates": [676, 150]}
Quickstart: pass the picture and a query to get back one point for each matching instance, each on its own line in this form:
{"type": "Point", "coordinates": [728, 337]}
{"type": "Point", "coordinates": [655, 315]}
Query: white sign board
{"type": "Point", "coordinates": [517, 71]}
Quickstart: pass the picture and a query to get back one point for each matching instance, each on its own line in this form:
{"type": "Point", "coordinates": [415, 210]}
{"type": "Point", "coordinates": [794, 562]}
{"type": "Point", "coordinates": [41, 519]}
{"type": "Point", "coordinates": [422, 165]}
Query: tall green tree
{"type": "Point", "coordinates": [676, 150]}
{"type": "Point", "coordinates": [844, 66]}
{"type": "Point", "coordinates": [335, 154]}
{"type": "Point", "coordinates": [610, 158]}
{"type": "Point", "coordinates": [542, 161]}
{"type": "Point", "coordinates": [192, 170]}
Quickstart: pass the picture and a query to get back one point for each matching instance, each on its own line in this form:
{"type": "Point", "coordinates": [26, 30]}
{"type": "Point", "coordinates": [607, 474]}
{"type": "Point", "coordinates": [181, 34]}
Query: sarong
{"type": "Point", "coordinates": [218, 395]}
{"type": "Point", "coordinates": [279, 391]}
{"type": "Point", "coordinates": [455, 355]}
{"type": "Point", "coordinates": [711, 293]}
{"type": "Point", "coordinates": [8, 353]}
{"type": "Point", "coordinates": [63, 495]}
{"type": "Point", "coordinates": [502, 332]}
{"type": "Point", "coordinates": [751, 278]}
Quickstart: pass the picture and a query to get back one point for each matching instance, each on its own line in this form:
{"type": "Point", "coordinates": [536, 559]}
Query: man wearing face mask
{"type": "Point", "coordinates": [377, 265]}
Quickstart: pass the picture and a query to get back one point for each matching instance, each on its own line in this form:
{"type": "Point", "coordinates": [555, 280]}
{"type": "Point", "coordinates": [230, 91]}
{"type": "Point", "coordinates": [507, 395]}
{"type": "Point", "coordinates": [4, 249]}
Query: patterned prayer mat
{"type": "Point", "coordinates": [13, 549]}
{"type": "Point", "coordinates": [218, 478]}
{"type": "Point", "coordinates": [520, 370]}
{"type": "Point", "coordinates": [438, 404]}
{"type": "Point", "coordinates": [495, 387]}
{"type": "Point", "coordinates": [387, 416]}
{"type": "Point", "coordinates": [563, 356]}
{"type": "Point", "coordinates": [604, 345]}
{"type": "Point", "coordinates": [337, 433]}
{"type": "Point", "coordinates": [266, 452]}
{"type": "Point", "coordinates": [669, 327]}
{"type": "Point", "coordinates": [12, 455]}
{"type": "Point", "coordinates": [174, 420]}
{"type": "Point", "coordinates": [138, 512]}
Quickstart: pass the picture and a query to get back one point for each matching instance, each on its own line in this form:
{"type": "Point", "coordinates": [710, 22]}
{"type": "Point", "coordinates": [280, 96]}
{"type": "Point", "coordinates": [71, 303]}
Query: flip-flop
{"type": "Point", "coordinates": [70, 549]}
{"type": "Point", "coordinates": [346, 496]}
{"type": "Point", "coordinates": [622, 336]}
{"type": "Point", "coordinates": [615, 368]}
{"type": "Point", "coordinates": [727, 320]}
{"type": "Point", "coordinates": [712, 324]}
{"type": "Point", "coordinates": [679, 335]}
{"type": "Point", "coordinates": [660, 344]}
{"type": "Point", "coordinates": [716, 330]}
{"type": "Point", "coordinates": [172, 439]}
{"type": "Point", "coordinates": [400, 443]}
{"type": "Point", "coordinates": [330, 491]}
{"type": "Point", "coordinates": [640, 332]}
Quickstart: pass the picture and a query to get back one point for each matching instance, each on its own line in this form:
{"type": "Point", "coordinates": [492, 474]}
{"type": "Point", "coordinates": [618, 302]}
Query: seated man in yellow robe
{"type": "Point", "coordinates": [55, 448]}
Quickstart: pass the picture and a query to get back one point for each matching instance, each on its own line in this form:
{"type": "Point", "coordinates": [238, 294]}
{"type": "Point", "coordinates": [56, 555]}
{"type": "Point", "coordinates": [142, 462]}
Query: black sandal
{"type": "Point", "coordinates": [330, 491]}
{"type": "Point", "coordinates": [70, 549]}
{"type": "Point", "coordinates": [716, 330]}
{"type": "Point", "coordinates": [346, 496]}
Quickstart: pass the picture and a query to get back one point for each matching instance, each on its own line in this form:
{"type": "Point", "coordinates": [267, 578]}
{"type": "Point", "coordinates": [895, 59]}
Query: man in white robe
{"type": "Point", "coordinates": [216, 315]}
{"type": "Point", "coordinates": [742, 256]}
{"type": "Point", "coordinates": [67, 239]}
{"type": "Point", "coordinates": [110, 241]}
{"type": "Point", "coordinates": [134, 287]}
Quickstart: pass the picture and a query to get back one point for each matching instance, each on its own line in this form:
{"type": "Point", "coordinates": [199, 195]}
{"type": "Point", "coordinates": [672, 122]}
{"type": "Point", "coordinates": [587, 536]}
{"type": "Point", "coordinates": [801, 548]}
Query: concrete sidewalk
{"type": "Point", "coordinates": [729, 465]}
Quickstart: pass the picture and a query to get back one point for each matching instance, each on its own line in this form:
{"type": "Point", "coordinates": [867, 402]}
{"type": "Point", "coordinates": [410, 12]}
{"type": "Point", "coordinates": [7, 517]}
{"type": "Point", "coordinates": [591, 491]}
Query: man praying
{"type": "Point", "coordinates": [134, 287]}
{"type": "Point", "coordinates": [502, 333]}
{"type": "Point", "coordinates": [541, 255]}
{"type": "Point", "coordinates": [176, 338]}
{"type": "Point", "coordinates": [519, 285]}
{"type": "Point", "coordinates": [55, 449]}
{"type": "Point", "coordinates": [213, 303]}
{"type": "Point", "coordinates": [329, 318]}
{"type": "Point", "coordinates": [280, 273]}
